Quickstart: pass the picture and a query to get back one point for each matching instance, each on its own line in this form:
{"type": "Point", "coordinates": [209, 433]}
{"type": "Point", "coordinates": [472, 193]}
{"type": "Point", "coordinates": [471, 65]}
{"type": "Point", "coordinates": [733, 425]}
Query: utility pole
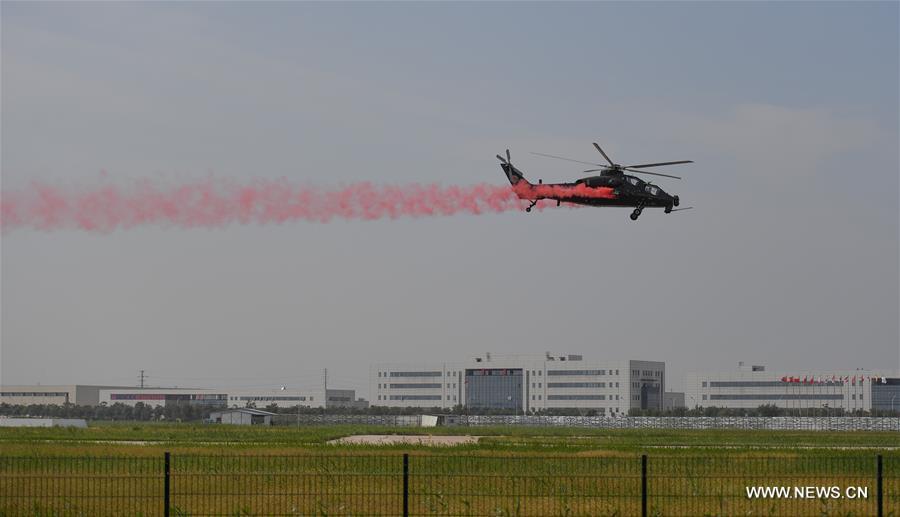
{"type": "Point", "coordinates": [142, 379]}
{"type": "Point", "coordinates": [325, 382]}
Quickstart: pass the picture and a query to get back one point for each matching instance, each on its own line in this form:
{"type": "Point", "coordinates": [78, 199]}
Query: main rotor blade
{"type": "Point", "coordinates": [680, 209]}
{"type": "Point", "coordinates": [604, 154]}
{"type": "Point", "coordinates": [643, 165]}
{"type": "Point", "coordinates": [501, 159]}
{"type": "Point", "coordinates": [653, 173]}
{"type": "Point", "coordinates": [595, 170]}
{"type": "Point", "coordinates": [568, 159]}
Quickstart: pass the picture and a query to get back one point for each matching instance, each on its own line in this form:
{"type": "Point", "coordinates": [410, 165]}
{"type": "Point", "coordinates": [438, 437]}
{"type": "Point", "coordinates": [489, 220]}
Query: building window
{"type": "Point", "coordinates": [704, 384]}
{"type": "Point", "coordinates": [415, 374]}
{"type": "Point", "coordinates": [704, 397]}
{"type": "Point", "coordinates": [416, 385]}
{"type": "Point", "coordinates": [778, 396]}
{"type": "Point", "coordinates": [576, 384]}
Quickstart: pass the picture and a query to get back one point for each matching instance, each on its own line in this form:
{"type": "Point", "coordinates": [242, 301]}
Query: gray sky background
{"type": "Point", "coordinates": [790, 258]}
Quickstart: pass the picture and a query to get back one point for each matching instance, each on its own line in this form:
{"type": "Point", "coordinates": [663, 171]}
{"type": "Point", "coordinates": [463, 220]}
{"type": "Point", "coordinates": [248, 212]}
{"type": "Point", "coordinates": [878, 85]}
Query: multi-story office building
{"type": "Point", "coordinates": [522, 384]}
{"type": "Point", "coordinates": [753, 386]}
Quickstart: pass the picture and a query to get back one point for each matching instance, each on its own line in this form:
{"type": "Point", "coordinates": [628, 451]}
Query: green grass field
{"type": "Point", "coordinates": [116, 469]}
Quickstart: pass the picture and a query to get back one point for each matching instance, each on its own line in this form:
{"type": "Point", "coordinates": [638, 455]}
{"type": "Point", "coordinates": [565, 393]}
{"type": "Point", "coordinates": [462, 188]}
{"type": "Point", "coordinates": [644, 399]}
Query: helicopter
{"type": "Point", "coordinates": [613, 187]}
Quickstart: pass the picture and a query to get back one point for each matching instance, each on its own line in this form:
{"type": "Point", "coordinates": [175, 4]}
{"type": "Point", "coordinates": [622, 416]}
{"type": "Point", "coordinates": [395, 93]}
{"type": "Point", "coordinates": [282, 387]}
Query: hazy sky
{"type": "Point", "coordinates": [790, 258]}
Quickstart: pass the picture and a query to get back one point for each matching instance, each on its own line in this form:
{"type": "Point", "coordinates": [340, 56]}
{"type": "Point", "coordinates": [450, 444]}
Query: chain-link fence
{"type": "Point", "coordinates": [438, 484]}
{"type": "Point", "coordinates": [780, 423]}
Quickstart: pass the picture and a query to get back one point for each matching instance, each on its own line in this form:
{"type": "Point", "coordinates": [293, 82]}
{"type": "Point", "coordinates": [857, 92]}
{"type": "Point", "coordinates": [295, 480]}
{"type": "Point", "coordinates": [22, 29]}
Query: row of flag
{"type": "Point", "coordinates": [834, 379]}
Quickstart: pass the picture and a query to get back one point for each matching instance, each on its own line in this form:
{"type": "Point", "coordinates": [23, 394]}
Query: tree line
{"type": "Point", "coordinates": [117, 411]}
{"type": "Point", "coordinates": [190, 412]}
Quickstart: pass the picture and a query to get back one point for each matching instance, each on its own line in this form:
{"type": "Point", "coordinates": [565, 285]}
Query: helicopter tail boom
{"type": "Point", "coordinates": [520, 185]}
{"type": "Point", "coordinates": [515, 176]}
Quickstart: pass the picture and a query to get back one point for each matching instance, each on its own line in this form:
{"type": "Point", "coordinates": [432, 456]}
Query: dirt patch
{"type": "Point", "coordinates": [405, 439]}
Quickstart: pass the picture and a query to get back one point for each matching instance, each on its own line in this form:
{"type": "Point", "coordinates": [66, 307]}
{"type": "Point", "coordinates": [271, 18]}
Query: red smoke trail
{"type": "Point", "coordinates": [215, 203]}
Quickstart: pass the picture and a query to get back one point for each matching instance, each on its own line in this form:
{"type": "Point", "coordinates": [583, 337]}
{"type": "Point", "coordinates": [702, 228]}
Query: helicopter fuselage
{"type": "Point", "coordinates": [607, 190]}
{"type": "Point", "coordinates": [613, 187]}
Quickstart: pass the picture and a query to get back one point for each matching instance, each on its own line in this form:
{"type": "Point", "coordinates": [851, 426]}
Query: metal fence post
{"type": "Point", "coordinates": [879, 489]}
{"type": "Point", "coordinates": [405, 485]}
{"type": "Point", "coordinates": [166, 470]}
{"type": "Point", "coordinates": [643, 485]}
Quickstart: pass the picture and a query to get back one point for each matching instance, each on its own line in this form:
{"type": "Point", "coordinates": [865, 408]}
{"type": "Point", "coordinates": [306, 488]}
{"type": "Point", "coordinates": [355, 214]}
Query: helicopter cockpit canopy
{"type": "Point", "coordinates": [598, 181]}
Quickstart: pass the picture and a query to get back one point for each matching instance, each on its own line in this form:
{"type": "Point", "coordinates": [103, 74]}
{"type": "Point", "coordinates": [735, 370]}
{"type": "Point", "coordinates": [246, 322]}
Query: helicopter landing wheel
{"type": "Point", "coordinates": [528, 209]}
{"type": "Point", "coordinates": [634, 215]}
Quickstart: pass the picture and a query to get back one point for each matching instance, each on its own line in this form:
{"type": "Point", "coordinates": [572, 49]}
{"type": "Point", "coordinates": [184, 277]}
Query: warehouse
{"type": "Point", "coordinates": [241, 416]}
{"type": "Point", "coordinates": [164, 397]}
{"type": "Point", "coordinates": [287, 397]}
{"type": "Point", "coordinates": [78, 394]}
{"type": "Point", "coordinates": [88, 395]}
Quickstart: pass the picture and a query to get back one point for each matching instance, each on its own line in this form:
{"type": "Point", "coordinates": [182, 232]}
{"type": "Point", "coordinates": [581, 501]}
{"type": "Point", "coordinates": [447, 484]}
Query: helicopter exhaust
{"type": "Point", "coordinates": [213, 203]}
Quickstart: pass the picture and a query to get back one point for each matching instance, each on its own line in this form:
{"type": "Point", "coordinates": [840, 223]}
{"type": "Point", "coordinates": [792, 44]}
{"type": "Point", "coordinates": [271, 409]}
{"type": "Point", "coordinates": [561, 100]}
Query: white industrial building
{"type": "Point", "coordinates": [83, 395]}
{"type": "Point", "coordinates": [77, 394]}
{"type": "Point", "coordinates": [287, 397]}
{"type": "Point", "coordinates": [753, 386]}
{"type": "Point", "coordinates": [521, 383]}
{"type": "Point", "coordinates": [232, 398]}
{"type": "Point", "coordinates": [164, 396]}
